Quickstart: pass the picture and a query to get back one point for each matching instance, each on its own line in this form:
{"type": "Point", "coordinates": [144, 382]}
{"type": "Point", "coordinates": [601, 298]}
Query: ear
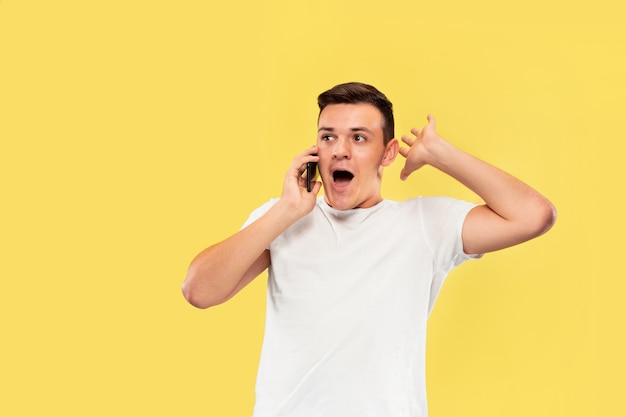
{"type": "Point", "coordinates": [391, 151]}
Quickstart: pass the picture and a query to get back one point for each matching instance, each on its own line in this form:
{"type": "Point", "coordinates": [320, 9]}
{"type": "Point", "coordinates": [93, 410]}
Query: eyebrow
{"type": "Point", "coordinates": [352, 129]}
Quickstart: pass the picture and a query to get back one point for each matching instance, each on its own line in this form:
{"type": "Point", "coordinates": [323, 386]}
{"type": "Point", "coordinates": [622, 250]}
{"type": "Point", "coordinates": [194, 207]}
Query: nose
{"type": "Point", "coordinates": [341, 149]}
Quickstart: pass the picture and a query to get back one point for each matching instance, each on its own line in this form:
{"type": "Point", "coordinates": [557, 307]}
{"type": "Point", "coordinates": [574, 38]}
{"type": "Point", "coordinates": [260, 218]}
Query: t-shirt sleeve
{"type": "Point", "coordinates": [442, 222]}
{"type": "Point", "coordinates": [259, 212]}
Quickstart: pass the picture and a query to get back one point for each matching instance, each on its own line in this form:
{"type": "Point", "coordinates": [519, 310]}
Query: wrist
{"type": "Point", "coordinates": [288, 212]}
{"type": "Point", "coordinates": [441, 154]}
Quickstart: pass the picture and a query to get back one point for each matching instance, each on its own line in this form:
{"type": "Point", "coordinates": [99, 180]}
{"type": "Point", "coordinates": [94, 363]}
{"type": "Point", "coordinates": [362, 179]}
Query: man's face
{"type": "Point", "coordinates": [352, 154]}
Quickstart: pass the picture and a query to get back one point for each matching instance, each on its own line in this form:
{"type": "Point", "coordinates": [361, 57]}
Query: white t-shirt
{"type": "Point", "coordinates": [348, 298]}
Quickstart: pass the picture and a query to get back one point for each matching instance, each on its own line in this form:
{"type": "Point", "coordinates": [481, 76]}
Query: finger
{"type": "Point", "coordinates": [301, 182]}
{"type": "Point", "coordinates": [404, 152]}
{"type": "Point", "coordinates": [309, 155]}
{"type": "Point", "coordinates": [408, 140]}
{"type": "Point", "coordinates": [299, 161]}
{"type": "Point", "coordinates": [417, 132]}
{"type": "Point", "coordinates": [317, 185]}
{"type": "Point", "coordinates": [310, 151]}
{"type": "Point", "coordinates": [313, 150]}
{"type": "Point", "coordinates": [431, 121]}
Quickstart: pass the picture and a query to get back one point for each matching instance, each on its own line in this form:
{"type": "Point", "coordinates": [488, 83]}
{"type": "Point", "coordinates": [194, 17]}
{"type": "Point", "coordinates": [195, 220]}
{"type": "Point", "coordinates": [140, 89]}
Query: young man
{"type": "Point", "coordinates": [353, 277]}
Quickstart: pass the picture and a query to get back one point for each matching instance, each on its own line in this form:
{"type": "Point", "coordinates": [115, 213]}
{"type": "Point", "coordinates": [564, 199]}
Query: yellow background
{"type": "Point", "coordinates": [136, 133]}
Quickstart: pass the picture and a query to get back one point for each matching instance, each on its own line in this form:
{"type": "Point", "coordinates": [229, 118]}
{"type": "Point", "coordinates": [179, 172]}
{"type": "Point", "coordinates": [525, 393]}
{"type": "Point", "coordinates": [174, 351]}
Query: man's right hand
{"type": "Point", "coordinates": [295, 196]}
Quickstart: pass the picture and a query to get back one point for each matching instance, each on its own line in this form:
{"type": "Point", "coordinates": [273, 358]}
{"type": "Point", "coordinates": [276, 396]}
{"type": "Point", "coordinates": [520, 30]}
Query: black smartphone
{"type": "Point", "coordinates": [311, 168]}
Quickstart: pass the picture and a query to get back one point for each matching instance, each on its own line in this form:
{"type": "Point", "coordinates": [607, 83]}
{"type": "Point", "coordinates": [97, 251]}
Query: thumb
{"type": "Point", "coordinates": [404, 174]}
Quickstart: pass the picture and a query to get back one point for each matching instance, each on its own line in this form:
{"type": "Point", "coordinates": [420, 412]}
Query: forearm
{"type": "Point", "coordinates": [218, 270]}
{"type": "Point", "coordinates": [506, 195]}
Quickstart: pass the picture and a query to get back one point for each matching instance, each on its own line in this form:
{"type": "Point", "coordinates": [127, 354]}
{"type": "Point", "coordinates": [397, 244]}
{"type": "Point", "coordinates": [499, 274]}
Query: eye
{"type": "Point", "coordinates": [326, 138]}
{"type": "Point", "coordinates": [359, 138]}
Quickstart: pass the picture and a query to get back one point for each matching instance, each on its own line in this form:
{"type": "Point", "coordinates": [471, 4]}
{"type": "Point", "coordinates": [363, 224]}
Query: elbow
{"type": "Point", "coordinates": [545, 217]}
{"type": "Point", "coordinates": [192, 296]}
{"type": "Point", "coordinates": [195, 294]}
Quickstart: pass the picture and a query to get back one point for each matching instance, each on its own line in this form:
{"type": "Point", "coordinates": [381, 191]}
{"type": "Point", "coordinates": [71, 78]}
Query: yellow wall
{"type": "Point", "coordinates": [135, 133]}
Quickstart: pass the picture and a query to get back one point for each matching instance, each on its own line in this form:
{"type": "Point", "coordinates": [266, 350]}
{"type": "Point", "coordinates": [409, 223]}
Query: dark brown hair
{"type": "Point", "coordinates": [355, 93]}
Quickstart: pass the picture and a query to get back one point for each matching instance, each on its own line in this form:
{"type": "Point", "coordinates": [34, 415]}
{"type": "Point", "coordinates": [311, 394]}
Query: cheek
{"type": "Point", "coordinates": [368, 160]}
{"type": "Point", "coordinates": [325, 156]}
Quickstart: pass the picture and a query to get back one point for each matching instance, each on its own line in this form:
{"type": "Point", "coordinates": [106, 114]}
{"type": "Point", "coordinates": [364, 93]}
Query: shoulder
{"type": "Point", "coordinates": [438, 212]}
{"type": "Point", "coordinates": [260, 211]}
{"type": "Point", "coordinates": [432, 205]}
{"type": "Point", "coordinates": [438, 204]}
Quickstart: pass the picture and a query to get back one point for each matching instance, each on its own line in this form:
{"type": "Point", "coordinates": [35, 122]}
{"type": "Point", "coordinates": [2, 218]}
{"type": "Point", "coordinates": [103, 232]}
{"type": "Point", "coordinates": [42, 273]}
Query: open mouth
{"type": "Point", "coordinates": [342, 177]}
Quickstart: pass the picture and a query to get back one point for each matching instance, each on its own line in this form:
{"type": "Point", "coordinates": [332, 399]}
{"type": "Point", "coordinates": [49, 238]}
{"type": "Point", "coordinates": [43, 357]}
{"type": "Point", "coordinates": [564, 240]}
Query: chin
{"type": "Point", "coordinates": [338, 204]}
